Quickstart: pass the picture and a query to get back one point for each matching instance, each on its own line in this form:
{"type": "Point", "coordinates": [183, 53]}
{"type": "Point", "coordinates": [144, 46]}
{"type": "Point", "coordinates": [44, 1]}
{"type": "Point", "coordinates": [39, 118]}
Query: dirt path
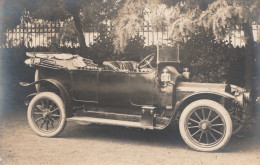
{"type": "Point", "coordinates": [96, 144]}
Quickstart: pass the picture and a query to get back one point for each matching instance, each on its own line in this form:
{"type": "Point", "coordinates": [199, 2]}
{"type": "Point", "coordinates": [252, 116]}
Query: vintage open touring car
{"type": "Point", "coordinates": [150, 94]}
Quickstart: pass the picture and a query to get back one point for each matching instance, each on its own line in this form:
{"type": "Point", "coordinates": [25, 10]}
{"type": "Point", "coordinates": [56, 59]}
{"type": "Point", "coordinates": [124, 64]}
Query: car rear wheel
{"type": "Point", "coordinates": [205, 125]}
{"type": "Point", "coordinates": [46, 114]}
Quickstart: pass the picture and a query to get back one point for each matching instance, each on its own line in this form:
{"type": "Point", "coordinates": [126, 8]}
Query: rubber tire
{"type": "Point", "coordinates": [58, 101]}
{"type": "Point", "coordinates": [221, 110]}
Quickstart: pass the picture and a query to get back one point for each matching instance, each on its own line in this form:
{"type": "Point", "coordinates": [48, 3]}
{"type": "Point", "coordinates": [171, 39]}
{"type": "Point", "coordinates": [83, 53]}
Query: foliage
{"type": "Point", "coordinates": [128, 22]}
{"type": "Point", "coordinates": [103, 49]}
{"type": "Point", "coordinates": [185, 17]}
{"type": "Point", "coordinates": [9, 18]}
{"type": "Point", "coordinates": [75, 13]}
{"type": "Point", "coordinates": [188, 16]}
{"type": "Point", "coordinates": [211, 57]}
{"type": "Point", "coordinates": [99, 12]}
{"type": "Point", "coordinates": [182, 16]}
{"type": "Point", "coordinates": [212, 61]}
{"type": "Point", "coordinates": [223, 15]}
{"type": "Point", "coordinates": [135, 49]}
{"type": "Point", "coordinates": [68, 33]}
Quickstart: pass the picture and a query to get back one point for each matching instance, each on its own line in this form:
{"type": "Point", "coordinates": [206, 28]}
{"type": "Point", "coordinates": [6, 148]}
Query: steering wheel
{"type": "Point", "coordinates": [146, 61]}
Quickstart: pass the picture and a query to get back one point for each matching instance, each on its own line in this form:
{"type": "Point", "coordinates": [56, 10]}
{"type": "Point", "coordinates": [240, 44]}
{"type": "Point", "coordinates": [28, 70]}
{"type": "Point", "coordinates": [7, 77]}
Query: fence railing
{"type": "Point", "coordinates": [42, 33]}
{"type": "Point", "coordinates": [33, 35]}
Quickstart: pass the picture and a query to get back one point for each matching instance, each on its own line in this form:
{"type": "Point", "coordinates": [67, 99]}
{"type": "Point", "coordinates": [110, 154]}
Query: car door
{"type": "Point", "coordinates": [85, 85]}
{"type": "Point", "coordinates": [142, 88]}
{"type": "Point", "coordinates": [113, 88]}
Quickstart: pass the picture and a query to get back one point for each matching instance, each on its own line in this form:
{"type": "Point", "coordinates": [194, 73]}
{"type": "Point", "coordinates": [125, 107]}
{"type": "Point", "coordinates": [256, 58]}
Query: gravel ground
{"type": "Point", "coordinates": [95, 144]}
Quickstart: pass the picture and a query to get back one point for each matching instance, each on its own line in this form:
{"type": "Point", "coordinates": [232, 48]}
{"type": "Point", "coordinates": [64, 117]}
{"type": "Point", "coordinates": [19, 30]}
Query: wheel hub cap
{"type": "Point", "coordinates": [204, 126]}
{"type": "Point", "coordinates": [45, 115]}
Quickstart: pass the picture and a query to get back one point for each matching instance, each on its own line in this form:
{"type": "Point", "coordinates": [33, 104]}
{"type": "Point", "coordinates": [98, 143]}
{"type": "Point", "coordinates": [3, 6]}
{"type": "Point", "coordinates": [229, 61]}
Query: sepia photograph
{"type": "Point", "coordinates": [129, 82]}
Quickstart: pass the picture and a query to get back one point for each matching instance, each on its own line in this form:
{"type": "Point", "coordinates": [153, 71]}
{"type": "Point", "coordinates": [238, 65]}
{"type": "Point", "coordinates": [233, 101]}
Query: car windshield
{"type": "Point", "coordinates": [168, 53]}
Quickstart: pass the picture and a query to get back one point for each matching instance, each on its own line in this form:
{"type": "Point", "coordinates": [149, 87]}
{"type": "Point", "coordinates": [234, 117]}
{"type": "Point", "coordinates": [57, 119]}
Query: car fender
{"type": "Point", "coordinates": [63, 91]}
{"type": "Point", "coordinates": [200, 95]}
{"type": "Point", "coordinates": [180, 105]}
{"type": "Point", "coordinates": [29, 98]}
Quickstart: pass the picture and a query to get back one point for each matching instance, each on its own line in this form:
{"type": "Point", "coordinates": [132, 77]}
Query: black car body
{"type": "Point", "coordinates": [131, 94]}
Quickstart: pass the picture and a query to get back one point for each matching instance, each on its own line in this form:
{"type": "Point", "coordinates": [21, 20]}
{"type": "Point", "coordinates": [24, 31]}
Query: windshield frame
{"type": "Point", "coordinates": [160, 47]}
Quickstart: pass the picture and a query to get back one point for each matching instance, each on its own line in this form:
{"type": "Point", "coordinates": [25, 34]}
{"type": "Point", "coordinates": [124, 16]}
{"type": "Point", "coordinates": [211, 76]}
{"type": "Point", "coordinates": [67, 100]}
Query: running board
{"type": "Point", "coordinates": [107, 121]}
{"type": "Point", "coordinates": [146, 120]}
{"type": "Point", "coordinates": [109, 115]}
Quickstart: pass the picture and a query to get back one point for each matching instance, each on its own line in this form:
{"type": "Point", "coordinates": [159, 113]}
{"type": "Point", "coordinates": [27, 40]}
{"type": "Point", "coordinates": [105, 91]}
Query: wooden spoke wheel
{"type": "Point", "coordinates": [46, 114]}
{"type": "Point", "coordinates": [205, 125]}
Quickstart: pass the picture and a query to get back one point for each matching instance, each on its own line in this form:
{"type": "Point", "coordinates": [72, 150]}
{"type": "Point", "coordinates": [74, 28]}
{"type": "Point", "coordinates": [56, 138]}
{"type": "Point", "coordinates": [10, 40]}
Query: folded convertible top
{"type": "Point", "coordinates": [56, 60]}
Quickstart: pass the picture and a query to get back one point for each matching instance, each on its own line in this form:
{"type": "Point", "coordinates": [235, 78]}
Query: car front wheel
{"type": "Point", "coordinates": [46, 114]}
{"type": "Point", "coordinates": [205, 125]}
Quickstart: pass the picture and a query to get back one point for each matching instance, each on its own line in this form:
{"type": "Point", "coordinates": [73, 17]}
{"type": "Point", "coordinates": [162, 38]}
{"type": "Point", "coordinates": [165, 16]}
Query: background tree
{"type": "Point", "coordinates": [76, 13]}
{"type": "Point", "coordinates": [97, 15]}
{"type": "Point", "coordinates": [10, 13]}
{"type": "Point", "coordinates": [65, 10]}
{"type": "Point", "coordinates": [186, 17]}
{"type": "Point", "coordinates": [213, 61]}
